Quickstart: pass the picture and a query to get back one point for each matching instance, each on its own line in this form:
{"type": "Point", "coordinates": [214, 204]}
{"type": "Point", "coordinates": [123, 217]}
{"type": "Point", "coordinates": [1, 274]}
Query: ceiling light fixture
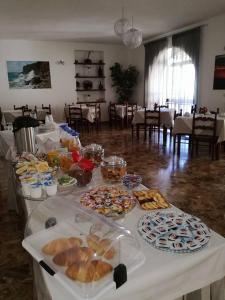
{"type": "Point", "coordinates": [132, 38]}
{"type": "Point", "coordinates": [122, 25]}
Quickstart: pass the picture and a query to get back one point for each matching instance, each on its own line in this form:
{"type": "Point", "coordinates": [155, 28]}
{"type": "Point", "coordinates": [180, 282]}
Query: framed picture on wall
{"type": "Point", "coordinates": [219, 73]}
{"type": "Point", "coordinates": [29, 74]}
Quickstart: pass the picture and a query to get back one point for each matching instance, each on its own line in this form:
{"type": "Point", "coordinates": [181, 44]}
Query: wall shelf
{"type": "Point", "coordinates": [92, 71]}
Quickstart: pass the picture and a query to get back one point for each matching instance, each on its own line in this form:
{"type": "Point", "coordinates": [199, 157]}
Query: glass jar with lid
{"type": "Point", "coordinates": [93, 152]}
{"type": "Point", "coordinates": [113, 168]}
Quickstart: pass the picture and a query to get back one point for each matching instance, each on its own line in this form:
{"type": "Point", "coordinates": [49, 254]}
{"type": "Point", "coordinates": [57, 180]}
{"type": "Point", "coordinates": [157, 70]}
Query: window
{"type": "Point", "coordinates": [172, 76]}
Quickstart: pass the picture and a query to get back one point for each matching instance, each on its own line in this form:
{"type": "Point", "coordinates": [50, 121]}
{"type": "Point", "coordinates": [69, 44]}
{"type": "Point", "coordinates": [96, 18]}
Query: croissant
{"type": "Point", "coordinates": [60, 245]}
{"type": "Point", "coordinates": [93, 242]}
{"type": "Point", "coordinates": [88, 272]}
{"type": "Point", "coordinates": [101, 247]}
{"type": "Point", "coordinates": [72, 255]}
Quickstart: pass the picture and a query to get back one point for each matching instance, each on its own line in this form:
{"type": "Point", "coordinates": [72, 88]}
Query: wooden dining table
{"type": "Point", "coordinates": [166, 117]}
{"type": "Point", "coordinates": [183, 126]}
{"type": "Point", "coordinates": [88, 112]}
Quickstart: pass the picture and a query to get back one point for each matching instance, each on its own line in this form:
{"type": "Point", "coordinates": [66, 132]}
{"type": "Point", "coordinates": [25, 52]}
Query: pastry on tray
{"type": "Point", "coordinates": [88, 272]}
{"type": "Point", "coordinates": [61, 244]}
{"type": "Point", "coordinates": [73, 255]}
{"type": "Point", "coordinates": [151, 199]}
{"type": "Point", "coordinates": [101, 247]}
{"type": "Point", "coordinates": [108, 200]}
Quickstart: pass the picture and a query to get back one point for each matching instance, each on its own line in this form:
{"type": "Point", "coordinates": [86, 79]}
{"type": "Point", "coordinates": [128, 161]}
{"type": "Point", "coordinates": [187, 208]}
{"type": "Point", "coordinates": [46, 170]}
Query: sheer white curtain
{"type": "Point", "coordinates": [172, 76]}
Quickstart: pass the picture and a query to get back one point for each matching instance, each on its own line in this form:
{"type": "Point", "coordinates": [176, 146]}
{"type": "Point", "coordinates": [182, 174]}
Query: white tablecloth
{"type": "Point", "coordinates": [183, 125]}
{"type": "Point", "coordinates": [166, 117]}
{"type": "Point", "coordinates": [8, 116]}
{"type": "Point", "coordinates": [164, 276]}
{"type": "Point", "coordinates": [87, 112]}
{"type": "Point", "coordinates": [7, 142]}
{"type": "Point", "coordinates": [7, 145]}
{"type": "Point", "coordinates": [121, 110]}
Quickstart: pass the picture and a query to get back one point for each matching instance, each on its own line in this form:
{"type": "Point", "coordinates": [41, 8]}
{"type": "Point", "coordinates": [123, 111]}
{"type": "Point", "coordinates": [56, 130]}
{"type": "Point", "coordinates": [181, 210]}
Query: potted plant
{"type": "Point", "coordinates": [124, 80]}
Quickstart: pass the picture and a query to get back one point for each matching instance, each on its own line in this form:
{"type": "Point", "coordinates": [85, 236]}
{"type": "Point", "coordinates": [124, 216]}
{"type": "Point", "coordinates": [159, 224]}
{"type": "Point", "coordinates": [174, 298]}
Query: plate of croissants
{"type": "Point", "coordinates": [82, 262]}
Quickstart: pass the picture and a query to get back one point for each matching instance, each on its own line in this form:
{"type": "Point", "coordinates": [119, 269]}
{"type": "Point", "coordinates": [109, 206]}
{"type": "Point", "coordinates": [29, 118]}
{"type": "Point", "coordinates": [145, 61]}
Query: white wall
{"type": "Point", "coordinates": [136, 57]}
{"type": "Point", "coordinates": [62, 76]}
{"type": "Point", "coordinates": [212, 44]}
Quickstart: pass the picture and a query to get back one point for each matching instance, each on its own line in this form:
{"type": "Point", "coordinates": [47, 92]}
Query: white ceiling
{"type": "Point", "coordinates": [93, 20]}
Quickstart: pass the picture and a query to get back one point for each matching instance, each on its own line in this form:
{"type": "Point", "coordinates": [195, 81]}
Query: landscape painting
{"type": "Point", "coordinates": [219, 73]}
{"type": "Point", "coordinates": [29, 74]}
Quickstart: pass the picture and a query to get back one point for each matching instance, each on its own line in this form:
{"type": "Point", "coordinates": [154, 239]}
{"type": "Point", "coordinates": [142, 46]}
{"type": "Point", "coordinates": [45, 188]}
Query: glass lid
{"type": "Point", "coordinates": [114, 160]}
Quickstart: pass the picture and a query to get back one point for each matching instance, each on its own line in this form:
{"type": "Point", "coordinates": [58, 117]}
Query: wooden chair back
{"type": "Point", "coordinates": [20, 107]}
{"type": "Point", "coordinates": [204, 126]}
{"type": "Point", "coordinates": [177, 114]}
{"type": "Point", "coordinates": [26, 111]}
{"type": "Point", "coordinates": [131, 109]}
{"type": "Point", "coordinates": [75, 113]}
{"type": "Point", "coordinates": [47, 109]}
{"type": "Point", "coordinates": [112, 111]}
{"type": "Point", "coordinates": [152, 117]}
{"type": "Point", "coordinates": [193, 109]}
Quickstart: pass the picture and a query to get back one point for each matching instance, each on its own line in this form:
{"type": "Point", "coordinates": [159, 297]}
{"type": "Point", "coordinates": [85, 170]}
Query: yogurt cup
{"type": "Point", "coordinates": [35, 191]}
{"type": "Point", "coordinates": [51, 188]}
{"type": "Point", "coordinates": [25, 189]}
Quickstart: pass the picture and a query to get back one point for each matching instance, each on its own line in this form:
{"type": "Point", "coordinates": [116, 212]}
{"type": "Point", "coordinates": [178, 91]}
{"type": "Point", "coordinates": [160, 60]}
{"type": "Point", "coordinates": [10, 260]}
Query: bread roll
{"type": "Point", "coordinates": [88, 272]}
{"type": "Point", "coordinates": [60, 245]}
{"type": "Point", "coordinates": [101, 247]}
{"type": "Point", "coordinates": [72, 255]}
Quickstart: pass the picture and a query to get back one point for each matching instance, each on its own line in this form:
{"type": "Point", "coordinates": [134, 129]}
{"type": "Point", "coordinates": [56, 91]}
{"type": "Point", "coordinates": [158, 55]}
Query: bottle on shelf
{"type": "Point", "coordinates": [100, 86]}
{"type": "Point", "coordinates": [100, 71]}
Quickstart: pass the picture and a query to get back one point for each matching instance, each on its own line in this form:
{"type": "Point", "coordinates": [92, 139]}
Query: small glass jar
{"type": "Point", "coordinates": [82, 176]}
{"type": "Point", "coordinates": [113, 168]}
{"type": "Point", "coordinates": [94, 153]}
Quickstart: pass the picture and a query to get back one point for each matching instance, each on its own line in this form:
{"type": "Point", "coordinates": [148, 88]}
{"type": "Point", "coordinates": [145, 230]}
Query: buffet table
{"type": "Point", "coordinates": [163, 276]}
{"type": "Point", "coordinates": [166, 117]}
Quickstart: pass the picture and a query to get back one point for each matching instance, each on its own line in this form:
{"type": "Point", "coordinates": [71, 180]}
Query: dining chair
{"type": "Point", "coordinates": [193, 108]}
{"type": "Point", "coordinates": [114, 119]}
{"type": "Point", "coordinates": [26, 111]}
{"type": "Point", "coordinates": [160, 106]}
{"type": "Point", "coordinates": [180, 138]}
{"type": "Point", "coordinates": [130, 111]}
{"type": "Point", "coordinates": [97, 118]}
{"type": "Point", "coordinates": [204, 131]}
{"type": "Point", "coordinates": [20, 107]}
{"type": "Point", "coordinates": [175, 115]}
{"type": "Point", "coordinates": [76, 119]}
{"type": "Point", "coordinates": [47, 109]}
{"type": "Point", "coordinates": [151, 123]}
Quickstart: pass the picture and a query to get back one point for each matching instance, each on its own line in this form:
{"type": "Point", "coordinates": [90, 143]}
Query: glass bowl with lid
{"type": "Point", "coordinates": [113, 168]}
{"type": "Point", "coordinates": [93, 152]}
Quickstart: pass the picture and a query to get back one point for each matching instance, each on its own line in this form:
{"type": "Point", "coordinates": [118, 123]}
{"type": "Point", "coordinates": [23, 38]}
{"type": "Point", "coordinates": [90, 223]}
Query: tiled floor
{"type": "Point", "coordinates": [197, 186]}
